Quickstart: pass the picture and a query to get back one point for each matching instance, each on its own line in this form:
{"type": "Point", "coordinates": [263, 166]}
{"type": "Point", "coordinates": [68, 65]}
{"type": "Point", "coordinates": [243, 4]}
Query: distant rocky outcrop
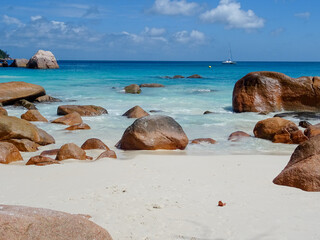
{"type": "Point", "coordinates": [11, 92]}
{"type": "Point", "coordinates": [279, 130]}
{"type": "Point", "coordinates": [195, 76]}
{"type": "Point", "coordinates": [135, 112]}
{"type": "Point", "coordinates": [272, 91]}
{"type": "Point", "coordinates": [153, 132]}
{"type": "Point", "coordinates": [83, 110]}
{"type": "Point", "coordinates": [27, 223]}
{"type": "Point", "coordinates": [21, 63]}
{"type": "Point", "coordinates": [302, 171]}
{"type": "Point", "coordinates": [177, 76]}
{"type": "Point", "coordinates": [133, 89]}
{"type": "Point", "coordinates": [151, 85]}
{"type": "Point", "coordinates": [43, 60]}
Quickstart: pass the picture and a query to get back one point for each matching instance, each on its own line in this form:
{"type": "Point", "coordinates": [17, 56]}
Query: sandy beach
{"type": "Point", "coordinates": [171, 196]}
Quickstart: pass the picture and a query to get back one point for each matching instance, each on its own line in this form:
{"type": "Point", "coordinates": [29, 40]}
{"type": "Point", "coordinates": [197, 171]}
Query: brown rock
{"type": "Point", "coordinates": [153, 132]}
{"type": "Point", "coordinates": [71, 151]}
{"type": "Point", "coordinates": [43, 60]}
{"type": "Point", "coordinates": [50, 152]}
{"type": "Point", "coordinates": [24, 145]}
{"type": "Point", "coordinates": [135, 112]}
{"type": "Point", "coordinates": [177, 76]}
{"type": "Point", "coordinates": [41, 161]}
{"type": "Point", "coordinates": [26, 223]}
{"type": "Point", "coordinates": [83, 110]}
{"type": "Point", "coordinates": [3, 112]}
{"type": "Point", "coordinates": [26, 104]}
{"type": "Point", "coordinates": [69, 119]}
{"type": "Point", "coordinates": [22, 62]}
{"type": "Point", "coordinates": [11, 92]}
{"type": "Point", "coordinates": [203, 140]}
{"type": "Point", "coordinates": [5, 64]}
{"type": "Point", "coordinates": [81, 126]}
{"type": "Point", "coordinates": [16, 128]}
{"type": "Point", "coordinates": [33, 115]}
{"type": "Point", "coordinates": [107, 154]}
{"type": "Point", "coordinates": [272, 91]}
{"type": "Point", "coordinates": [133, 88]}
{"type": "Point", "coordinates": [303, 169]}
{"type": "Point", "coordinates": [9, 153]}
{"type": "Point", "coordinates": [94, 143]}
{"type": "Point", "coordinates": [304, 124]}
{"type": "Point", "coordinates": [195, 76]}
{"type": "Point", "coordinates": [312, 130]}
{"type": "Point", "coordinates": [47, 98]}
{"type": "Point", "coordinates": [151, 85]}
{"type": "Point", "coordinates": [207, 112]}
{"type": "Point", "coordinates": [238, 135]}
{"type": "Point", "coordinates": [279, 130]}
{"type": "Point", "coordinates": [221, 204]}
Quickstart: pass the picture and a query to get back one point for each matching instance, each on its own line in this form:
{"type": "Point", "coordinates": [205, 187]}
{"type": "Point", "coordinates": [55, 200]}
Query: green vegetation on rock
{"type": "Point", "coordinates": [4, 54]}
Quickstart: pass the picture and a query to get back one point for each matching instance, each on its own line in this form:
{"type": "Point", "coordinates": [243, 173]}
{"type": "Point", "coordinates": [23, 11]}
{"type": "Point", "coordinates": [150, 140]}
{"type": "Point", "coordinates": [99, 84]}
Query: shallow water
{"type": "Point", "coordinates": [101, 83]}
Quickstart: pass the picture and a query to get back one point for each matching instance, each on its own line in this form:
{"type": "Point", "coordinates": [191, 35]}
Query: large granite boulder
{"type": "Point", "coordinates": [272, 91]}
{"type": "Point", "coordinates": [33, 116]}
{"type": "Point", "coordinates": [19, 62]}
{"type": "Point", "coordinates": [279, 130]}
{"type": "Point", "coordinates": [83, 110]}
{"type": "Point", "coordinates": [303, 169]}
{"type": "Point", "coordinates": [9, 153]}
{"type": "Point", "coordinates": [43, 60]}
{"type": "Point", "coordinates": [71, 151]}
{"type": "Point", "coordinates": [27, 223]}
{"type": "Point", "coordinates": [154, 132]}
{"type": "Point", "coordinates": [11, 92]}
{"type": "Point", "coordinates": [16, 128]}
{"type": "Point", "coordinates": [135, 112]}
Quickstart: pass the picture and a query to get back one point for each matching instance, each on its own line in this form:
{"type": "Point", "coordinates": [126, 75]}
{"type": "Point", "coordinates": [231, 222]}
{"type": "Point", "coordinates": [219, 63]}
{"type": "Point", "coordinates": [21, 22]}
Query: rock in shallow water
{"type": "Point", "coordinates": [27, 223]}
{"type": "Point", "coordinates": [203, 140]}
{"type": "Point", "coordinates": [133, 89]}
{"type": "Point", "coordinates": [272, 91]}
{"type": "Point", "coordinates": [153, 132]}
{"type": "Point", "coordinates": [43, 60]}
{"type": "Point", "coordinates": [69, 119]}
{"type": "Point", "coordinates": [83, 110]}
{"type": "Point", "coordinates": [135, 112]}
{"type": "Point", "coordinates": [300, 115]}
{"type": "Point", "coordinates": [33, 116]}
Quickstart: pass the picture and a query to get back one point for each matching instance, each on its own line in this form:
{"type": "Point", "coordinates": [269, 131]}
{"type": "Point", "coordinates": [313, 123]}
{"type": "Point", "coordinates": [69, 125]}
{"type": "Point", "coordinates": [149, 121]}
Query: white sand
{"type": "Point", "coordinates": [164, 197]}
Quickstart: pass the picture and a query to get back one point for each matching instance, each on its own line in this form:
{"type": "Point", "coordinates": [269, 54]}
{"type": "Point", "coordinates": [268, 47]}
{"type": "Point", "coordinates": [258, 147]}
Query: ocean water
{"type": "Point", "coordinates": [101, 83]}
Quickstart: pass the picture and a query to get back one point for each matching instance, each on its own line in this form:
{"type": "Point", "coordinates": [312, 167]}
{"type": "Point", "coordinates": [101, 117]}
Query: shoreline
{"type": "Point", "coordinates": [171, 197]}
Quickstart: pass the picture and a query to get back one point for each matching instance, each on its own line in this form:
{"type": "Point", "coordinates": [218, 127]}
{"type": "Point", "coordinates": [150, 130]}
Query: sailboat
{"type": "Point", "coordinates": [229, 61]}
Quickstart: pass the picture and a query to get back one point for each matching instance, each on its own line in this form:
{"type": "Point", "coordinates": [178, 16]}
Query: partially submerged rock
{"type": "Point", "coordinates": [279, 130]}
{"type": "Point", "coordinates": [71, 151]}
{"type": "Point", "coordinates": [47, 98]}
{"type": "Point", "coordinates": [43, 60]}
{"type": "Point", "coordinates": [303, 169]}
{"type": "Point", "coordinates": [195, 76]}
{"type": "Point", "coordinates": [33, 115]}
{"type": "Point", "coordinates": [133, 89]}
{"type": "Point", "coordinates": [94, 143]}
{"type": "Point", "coordinates": [41, 161]}
{"type": "Point", "coordinates": [27, 223]}
{"type": "Point", "coordinates": [238, 135]}
{"type": "Point", "coordinates": [135, 112]}
{"type": "Point", "coordinates": [151, 85]}
{"type": "Point", "coordinates": [9, 153]}
{"type": "Point", "coordinates": [153, 132]}
{"type": "Point", "coordinates": [304, 124]}
{"type": "Point", "coordinates": [81, 126]}
{"type": "Point", "coordinates": [207, 112]}
{"type": "Point", "coordinates": [203, 140]}
{"type": "Point", "coordinates": [300, 115]}
{"type": "Point", "coordinates": [69, 119]}
{"type": "Point", "coordinates": [83, 110]}
{"type": "Point", "coordinates": [26, 104]}
{"type": "Point", "coordinates": [177, 76]}
{"type": "Point", "coordinates": [11, 92]}
{"type": "Point", "coordinates": [19, 62]}
{"type": "Point", "coordinates": [272, 91]}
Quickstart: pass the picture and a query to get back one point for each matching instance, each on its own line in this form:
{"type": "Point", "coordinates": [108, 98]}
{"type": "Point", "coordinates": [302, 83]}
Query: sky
{"type": "Point", "coordinates": [181, 30]}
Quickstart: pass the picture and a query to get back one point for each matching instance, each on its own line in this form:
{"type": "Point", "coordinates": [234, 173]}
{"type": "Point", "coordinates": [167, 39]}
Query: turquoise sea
{"type": "Point", "coordinates": [101, 83]}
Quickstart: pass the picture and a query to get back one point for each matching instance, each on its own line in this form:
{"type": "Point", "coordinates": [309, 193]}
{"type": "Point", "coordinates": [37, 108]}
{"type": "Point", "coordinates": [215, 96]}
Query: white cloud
{"type": "Point", "coordinates": [174, 7]}
{"type": "Point", "coordinates": [154, 31]}
{"type": "Point", "coordinates": [35, 18]}
{"type": "Point", "coordinates": [229, 12]}
{"type": "Point", "coordinates": [194, 37]}
{"type": "Point", "coordinates": [304, 15]}
{"type": "Point", "coordinates": [11, 21]}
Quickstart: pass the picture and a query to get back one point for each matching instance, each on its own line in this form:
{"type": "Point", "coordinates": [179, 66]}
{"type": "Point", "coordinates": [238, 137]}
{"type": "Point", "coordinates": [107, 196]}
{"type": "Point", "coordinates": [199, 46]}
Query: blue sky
{"type": "Point", "coordinates": [256, 30]}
